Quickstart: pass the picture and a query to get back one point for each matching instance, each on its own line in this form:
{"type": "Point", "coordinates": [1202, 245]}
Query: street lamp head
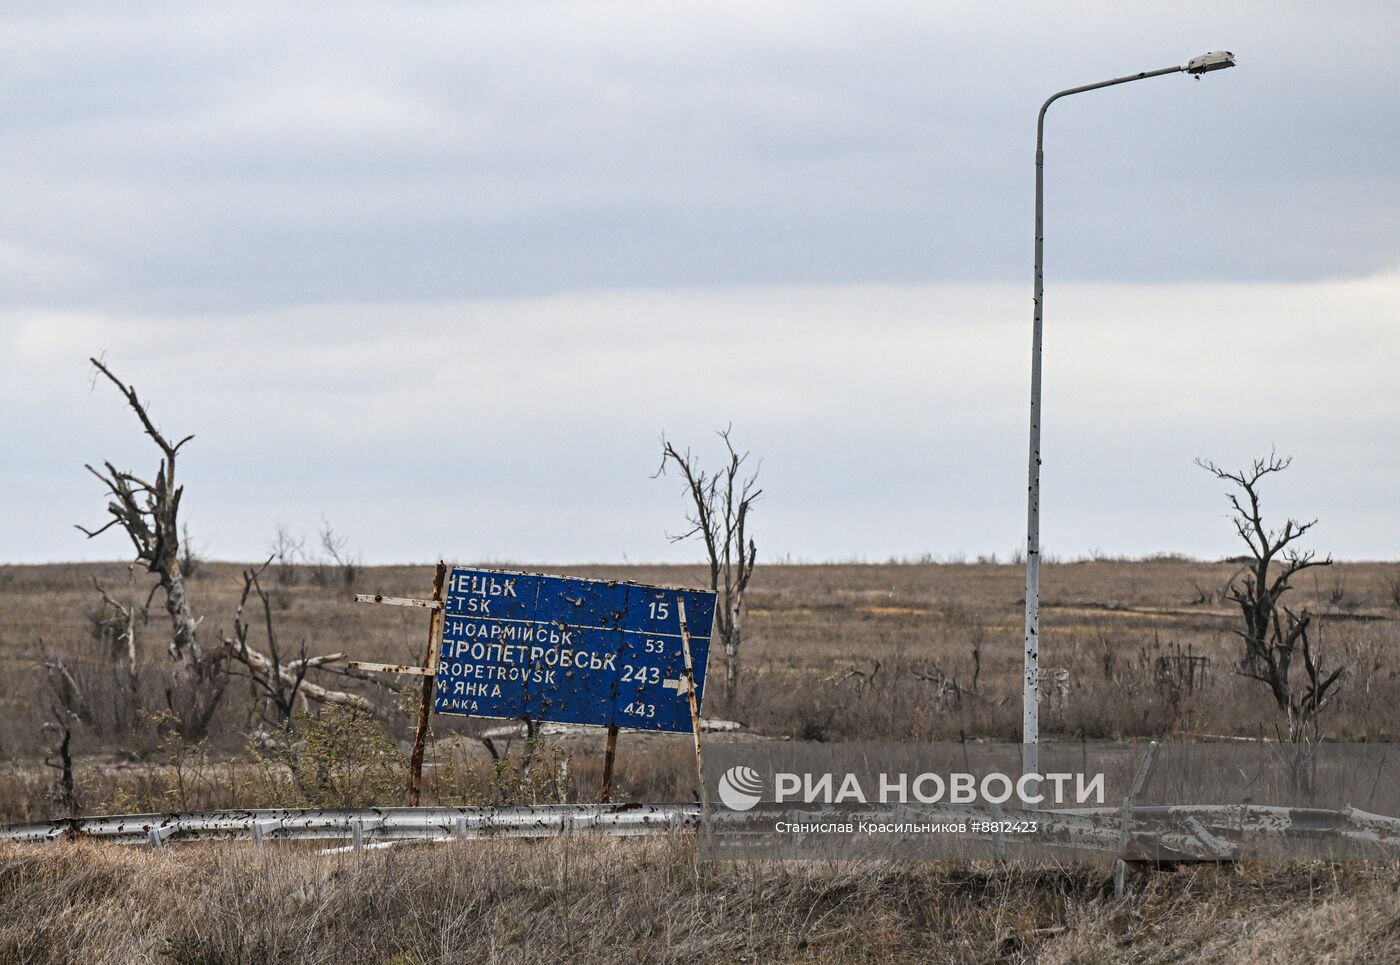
{"type": "Point", "coordinates": [1215, 60]}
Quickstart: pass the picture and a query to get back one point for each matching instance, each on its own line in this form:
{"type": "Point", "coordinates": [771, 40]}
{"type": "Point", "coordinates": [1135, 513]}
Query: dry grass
{"type": "Point", "coordinates": [903, 627]}
{"type": "Point", "coordinates": [650, 900]}
{"type": "Point", "coordinates": [833, 653]}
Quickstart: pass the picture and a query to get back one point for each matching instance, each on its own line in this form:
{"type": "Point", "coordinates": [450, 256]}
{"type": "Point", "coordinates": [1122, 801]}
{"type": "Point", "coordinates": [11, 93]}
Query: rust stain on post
{"type": "Point", "coordinates": [425, 706]}
{"type": "Point", "coordinates": [608, 757]}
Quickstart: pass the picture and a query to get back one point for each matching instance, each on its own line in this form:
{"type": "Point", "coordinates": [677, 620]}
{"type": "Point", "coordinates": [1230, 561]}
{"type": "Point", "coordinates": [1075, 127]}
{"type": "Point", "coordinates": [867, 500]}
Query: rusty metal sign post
{"type": "Point", "coordinates": [428, 672]}
{"type": "Point", "coordinates": [694, 716]}
{"type": "Point", "coordinates": [425, 705]}
{"type": "Point", "coordinates": [609, 757]}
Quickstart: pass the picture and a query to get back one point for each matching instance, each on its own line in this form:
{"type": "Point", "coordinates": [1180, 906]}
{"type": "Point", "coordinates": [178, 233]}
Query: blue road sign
{"type": "Point", "coordinates": [520, 645]}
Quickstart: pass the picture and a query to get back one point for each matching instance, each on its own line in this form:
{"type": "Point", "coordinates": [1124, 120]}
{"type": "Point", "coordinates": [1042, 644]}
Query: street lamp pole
{"type": "Point", "coordinates": [1030, 719]}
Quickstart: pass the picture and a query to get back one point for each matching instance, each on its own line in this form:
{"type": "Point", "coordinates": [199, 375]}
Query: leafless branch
{"type": "Point", "coordinates": [279, 683]}
{"type": "Point", "coordinates": [720, 504]}
{"type": "Point", "coordinates": [149, 513]}
{"type": "Point", "coordinates": [1272, 633]}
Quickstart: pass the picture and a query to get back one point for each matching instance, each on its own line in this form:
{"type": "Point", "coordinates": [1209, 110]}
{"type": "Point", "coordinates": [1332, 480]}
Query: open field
{"type": "Point", "coordinates": [898, 652]}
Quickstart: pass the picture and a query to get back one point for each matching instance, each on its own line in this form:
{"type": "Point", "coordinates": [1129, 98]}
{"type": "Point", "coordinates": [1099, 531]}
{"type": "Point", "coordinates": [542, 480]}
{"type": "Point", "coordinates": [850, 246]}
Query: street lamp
{"type": "Point", "coordinates": [1030, 720]}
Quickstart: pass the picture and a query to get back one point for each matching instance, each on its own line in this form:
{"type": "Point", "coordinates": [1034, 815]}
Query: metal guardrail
{"type": "Point", "coordinates": [1185, 832]}
{"type": "Point", "coordinates": [365, 824]}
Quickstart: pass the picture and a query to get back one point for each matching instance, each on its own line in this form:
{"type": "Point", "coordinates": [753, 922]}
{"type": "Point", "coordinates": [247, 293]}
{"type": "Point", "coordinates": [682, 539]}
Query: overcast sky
{"type": "Point", "coordinates": [443, 274]}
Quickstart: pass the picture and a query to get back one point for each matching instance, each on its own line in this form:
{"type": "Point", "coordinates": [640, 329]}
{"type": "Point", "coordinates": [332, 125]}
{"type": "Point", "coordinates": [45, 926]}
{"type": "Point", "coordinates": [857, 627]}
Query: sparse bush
{"type": "Point", "coordinates": [1393, 588]}
{"type": "Point", "coordinates": [1337, 593]}
{"type": "Point", "coordinates": [343, 758]}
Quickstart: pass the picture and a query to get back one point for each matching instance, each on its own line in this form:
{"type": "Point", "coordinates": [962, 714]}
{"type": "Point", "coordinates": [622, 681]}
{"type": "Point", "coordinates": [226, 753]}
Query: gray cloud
{"type": "Point", "coordinates": [890, 419]}
{"type": "Point", "coordinates": [248, 157]}
{"type": "Point", "coordinates": [445, 271]}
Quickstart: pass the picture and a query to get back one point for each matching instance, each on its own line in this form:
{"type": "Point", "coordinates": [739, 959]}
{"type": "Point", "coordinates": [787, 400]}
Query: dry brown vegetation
{"type": "Point", "coordinates": [901, 652]}
{"type": "Point", "coordinates": [897, 652]}
{"type": "Point", "coordinates": [645, 900]}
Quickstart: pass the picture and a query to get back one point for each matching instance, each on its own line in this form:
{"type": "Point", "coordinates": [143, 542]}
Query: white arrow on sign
{"type": "Point", "coordinates": [678, 685]}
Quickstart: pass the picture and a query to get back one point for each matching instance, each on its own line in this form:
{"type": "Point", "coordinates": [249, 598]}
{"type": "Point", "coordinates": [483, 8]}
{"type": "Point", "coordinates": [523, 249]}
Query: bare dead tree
{"type": "Point", "coordinates": [118, 620]}
{"type": "Point", "coordinates": [979, 636]}
{"type": "Point", "coordinates": [68, 694]}
{"type": "Point", "coordinates": [862, 679]}
{"type": "Point", "coordinates": [1337, 593]}
{"type": "Point", "coordinates": [287, 551]}
{"type": "Point", "coordinates": [149, 514]}
{"type": "Point", "coordinates": [62, 726]}
{"type": "Point", "coordinates": [69, 706]}
{"type": "Point", "coordinates": [1273, 634]}
{"type": "Point", "coordinates": [190, 560]}
{"type": "Point", "coordinates": [338, 560]}
{"type": "Point", "coordinates": [721, 501]}
{"type": "Point", "coordinates": [950, 693]}
{"type": "Point", "coordinates": [279, 683]}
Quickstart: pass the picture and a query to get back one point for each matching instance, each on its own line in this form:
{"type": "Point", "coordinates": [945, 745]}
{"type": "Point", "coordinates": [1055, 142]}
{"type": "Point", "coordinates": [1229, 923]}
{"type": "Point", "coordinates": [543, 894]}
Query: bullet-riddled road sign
{"type": "Point", "coordinates": [553, 648]}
